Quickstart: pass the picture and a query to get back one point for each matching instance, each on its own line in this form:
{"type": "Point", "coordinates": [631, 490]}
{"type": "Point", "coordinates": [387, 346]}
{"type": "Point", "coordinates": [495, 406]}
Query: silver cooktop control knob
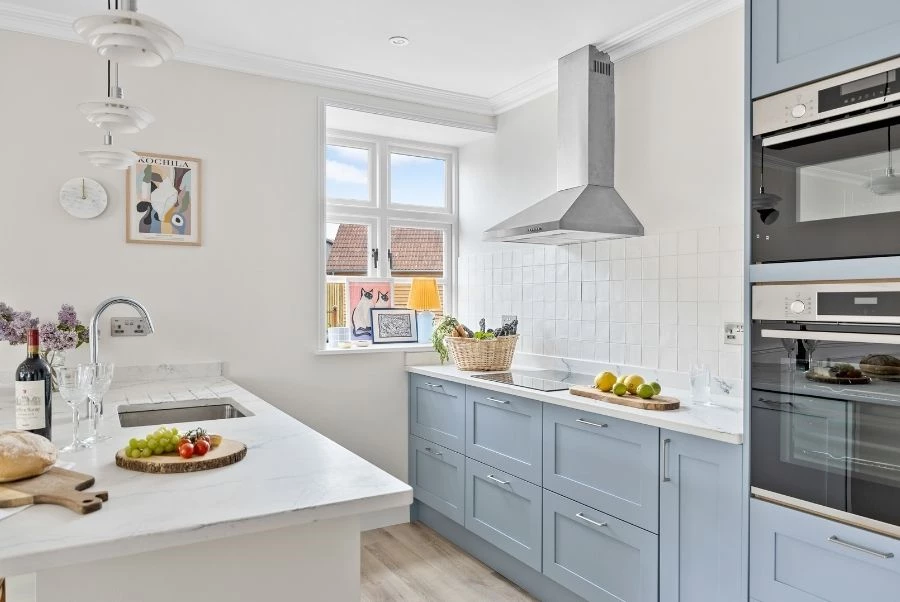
{"type": "Point", "coordinates": [798, 111]}
{"type": "Point", "coordinates": [798, 307]}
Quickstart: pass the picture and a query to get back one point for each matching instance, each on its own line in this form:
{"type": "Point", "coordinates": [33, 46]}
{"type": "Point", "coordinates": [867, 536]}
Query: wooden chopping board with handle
{"type": "Point", "coordinates": [657, 403]}
{"type": "Point", "coordinates": [56, 486]}
{"type": "Point", "coordinates": [226, 453]}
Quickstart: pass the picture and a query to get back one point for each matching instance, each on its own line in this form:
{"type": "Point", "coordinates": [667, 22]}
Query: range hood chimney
{"type": "Point", "coordinates": [587, 207]}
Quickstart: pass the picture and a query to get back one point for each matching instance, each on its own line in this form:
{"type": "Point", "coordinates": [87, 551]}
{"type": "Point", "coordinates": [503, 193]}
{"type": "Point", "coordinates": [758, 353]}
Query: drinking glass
{"type": "Point", "coordinates": [73, 387]}
{"type": "Point", "coordinates": [99, 378]}
{"type": "Point", "coordinates": [700, 384]}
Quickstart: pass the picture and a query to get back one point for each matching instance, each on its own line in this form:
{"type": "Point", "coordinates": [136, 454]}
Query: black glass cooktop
{"type": "Point", "coordinates": [540, 380]}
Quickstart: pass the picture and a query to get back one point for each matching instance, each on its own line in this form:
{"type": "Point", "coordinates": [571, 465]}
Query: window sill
{"type": "Point", "coordinates": [383, 348]}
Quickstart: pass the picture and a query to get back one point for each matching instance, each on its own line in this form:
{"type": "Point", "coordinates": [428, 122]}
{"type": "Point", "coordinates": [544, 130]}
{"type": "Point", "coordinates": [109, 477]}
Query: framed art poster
{"type": "Point", "coordinates": [394, 325]}
{"type": "Point", "coordinates": [364, 294]}
{"type": "Point", "coordinates": [162, 204]}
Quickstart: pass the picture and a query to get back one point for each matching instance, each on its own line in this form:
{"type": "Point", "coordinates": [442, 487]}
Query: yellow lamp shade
{"type": "Point", "coordinates": [424, 295]}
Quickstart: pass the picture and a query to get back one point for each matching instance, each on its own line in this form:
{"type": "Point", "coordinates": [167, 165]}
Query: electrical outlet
{"type": "Point", "coordinates": [734, 333]}
{"type": "Point", "coordinates": [507, 319]}
{"type": "Point", "coordinates": [128, 327]}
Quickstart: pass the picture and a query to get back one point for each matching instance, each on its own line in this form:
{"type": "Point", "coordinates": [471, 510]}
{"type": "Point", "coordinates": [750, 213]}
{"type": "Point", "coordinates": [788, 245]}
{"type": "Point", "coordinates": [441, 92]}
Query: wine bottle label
{"type": "Point", "coordinates": [30, 408]}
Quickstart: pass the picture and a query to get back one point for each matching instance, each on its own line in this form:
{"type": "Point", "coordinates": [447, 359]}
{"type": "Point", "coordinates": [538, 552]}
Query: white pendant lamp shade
{"type": "Point", "coordinates": [109, 155]}
{"type": "Point", "coordinates": [129, 37]}
{"type": "Point", "coordinates": [116, 115]}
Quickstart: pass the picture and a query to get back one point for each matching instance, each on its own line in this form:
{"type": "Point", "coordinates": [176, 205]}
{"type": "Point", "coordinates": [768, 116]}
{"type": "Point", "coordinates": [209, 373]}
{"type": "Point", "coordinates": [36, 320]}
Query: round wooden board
{"type": "Point", "coordinates": [834, 380]}
{"type": "Point", "coordinates": [229, 452]}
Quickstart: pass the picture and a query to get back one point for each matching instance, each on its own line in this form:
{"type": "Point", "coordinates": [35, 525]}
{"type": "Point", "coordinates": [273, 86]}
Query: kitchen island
{"type": "Point", "coordinates": [282, 524]}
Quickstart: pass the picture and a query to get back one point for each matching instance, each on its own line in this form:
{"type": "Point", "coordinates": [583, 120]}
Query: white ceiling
{"type": "Point", "coordinates": [474, 47]}
{"type": "Point", "coordinates": [361, 122]}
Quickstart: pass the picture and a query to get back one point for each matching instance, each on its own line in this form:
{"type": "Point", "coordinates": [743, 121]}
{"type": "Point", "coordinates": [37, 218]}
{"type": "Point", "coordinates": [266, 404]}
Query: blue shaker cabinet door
{"type": "Point", "coordinates": [437, 476]}
{"type": "Point", "coordinates": [437, 411]}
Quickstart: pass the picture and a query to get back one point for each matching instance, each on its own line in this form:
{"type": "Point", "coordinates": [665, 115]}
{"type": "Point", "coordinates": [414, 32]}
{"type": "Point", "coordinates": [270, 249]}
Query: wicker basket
{"type": "Point", "coordinates": [486, 355]}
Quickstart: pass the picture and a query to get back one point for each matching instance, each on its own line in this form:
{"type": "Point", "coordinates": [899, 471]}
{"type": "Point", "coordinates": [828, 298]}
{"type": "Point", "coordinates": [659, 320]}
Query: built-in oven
{"type": "Point", "coordinates": [825, 400]}
{"type": "Point", "coordinates": [823, 179]}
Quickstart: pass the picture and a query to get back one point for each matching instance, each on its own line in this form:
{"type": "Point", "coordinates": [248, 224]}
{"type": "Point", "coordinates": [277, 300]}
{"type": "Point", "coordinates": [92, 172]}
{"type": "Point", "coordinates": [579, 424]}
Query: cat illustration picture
{"type": "Point", "coordinates": [384, 299]}
{"type": "Point", "coordinates": [361, 319]}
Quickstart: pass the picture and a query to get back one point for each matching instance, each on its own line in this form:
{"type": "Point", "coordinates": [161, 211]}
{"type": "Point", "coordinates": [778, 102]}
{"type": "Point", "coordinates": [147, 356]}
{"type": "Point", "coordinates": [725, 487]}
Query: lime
{"type": "Point", "coordinates": [656, 388]}
{"type": "Point", "coordinates": [645, 391]}
{"type": "Point", "coordinates": [620, 389]}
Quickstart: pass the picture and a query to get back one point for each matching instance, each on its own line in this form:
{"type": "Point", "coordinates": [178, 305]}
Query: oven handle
{"type": "Point", "coordinates": [841, 337]}
{"type": "Point", "coordinates": [832, 126]}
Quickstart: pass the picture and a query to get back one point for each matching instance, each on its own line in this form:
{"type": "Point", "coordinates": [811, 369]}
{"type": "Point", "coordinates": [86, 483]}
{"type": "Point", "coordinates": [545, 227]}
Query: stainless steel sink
{"type": "Point", "coordinates": [173, 412]}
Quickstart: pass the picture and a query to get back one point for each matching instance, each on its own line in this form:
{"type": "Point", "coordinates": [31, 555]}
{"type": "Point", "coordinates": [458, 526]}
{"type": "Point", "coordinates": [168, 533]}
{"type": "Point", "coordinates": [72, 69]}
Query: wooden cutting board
{"type": "Point", "coordinates": [56, 486]}
{"type": "Point", "coordinates": [658, 402]}
{"type": "Point", "coordinates": [227, 453]}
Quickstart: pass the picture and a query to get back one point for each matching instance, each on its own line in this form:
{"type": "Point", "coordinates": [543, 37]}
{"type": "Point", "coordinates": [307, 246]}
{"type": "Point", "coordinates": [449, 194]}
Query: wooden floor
{"type": "Point", "coordinates": [411, 562]}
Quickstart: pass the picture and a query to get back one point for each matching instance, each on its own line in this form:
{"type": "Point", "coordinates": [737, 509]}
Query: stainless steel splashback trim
{"type": "Point", "coordinates": [840, 516]}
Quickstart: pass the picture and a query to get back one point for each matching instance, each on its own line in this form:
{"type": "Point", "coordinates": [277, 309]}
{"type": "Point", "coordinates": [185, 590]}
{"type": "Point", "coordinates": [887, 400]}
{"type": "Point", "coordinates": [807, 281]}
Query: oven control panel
{"type": "Point", "coordinates": [801, 307]}
{"type": "Point", "coordinates": [857, 302]}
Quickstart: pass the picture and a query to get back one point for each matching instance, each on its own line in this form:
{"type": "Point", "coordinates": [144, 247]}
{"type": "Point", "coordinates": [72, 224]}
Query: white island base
{"type": "Point", "coordinates": [317, 561]}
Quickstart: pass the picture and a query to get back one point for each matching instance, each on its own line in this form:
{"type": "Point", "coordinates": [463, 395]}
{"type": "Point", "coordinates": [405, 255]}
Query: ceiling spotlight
{"type": "Point", "coordinates": [129, 37]}
{"type": "Point", "coordinates": [398, 41]}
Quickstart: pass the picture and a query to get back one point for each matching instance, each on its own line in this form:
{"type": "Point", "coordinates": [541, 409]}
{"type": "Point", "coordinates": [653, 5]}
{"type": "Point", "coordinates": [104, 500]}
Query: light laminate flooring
{"type": "Point", "coordinates": [411, 562]}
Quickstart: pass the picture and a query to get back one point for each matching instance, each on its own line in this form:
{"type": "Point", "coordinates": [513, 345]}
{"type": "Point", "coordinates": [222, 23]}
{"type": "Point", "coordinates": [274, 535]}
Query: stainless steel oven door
{"type": "Point", "coordinates": [827, 191]}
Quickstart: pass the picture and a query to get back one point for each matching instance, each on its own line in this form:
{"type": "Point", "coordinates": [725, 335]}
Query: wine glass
{"type": "Point", "coordinates": [99, 378]}
{"type": "Point", "coordinates": [73, 387]}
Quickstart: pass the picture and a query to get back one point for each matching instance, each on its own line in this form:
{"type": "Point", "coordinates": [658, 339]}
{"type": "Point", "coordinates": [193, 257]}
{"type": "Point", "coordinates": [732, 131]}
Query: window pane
{"type": "Point", "coordinates": [347, 249]}
{"type": "Point", "coordinates": [401, 295]}
{"type": "Point", "coordinates": [346, 173]}
{"type": "Point", "coordinates": [417, 252]}
{"type": "Point", "coordinates": [418, 181]}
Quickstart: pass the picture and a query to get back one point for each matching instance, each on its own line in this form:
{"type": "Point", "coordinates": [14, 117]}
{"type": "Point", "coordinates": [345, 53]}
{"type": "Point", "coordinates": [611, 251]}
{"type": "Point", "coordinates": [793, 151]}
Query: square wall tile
{"type": "Point", "coordinates": [668, 289]}
{"type": "Point", "coordinates": [731, 238]}
{"type": "Point", "coordinates": [617, 269]}
{"type": "Point", "coordinates": [668, 312]}
{"type": "Point", "coordinates": [573, 253]}
{"type": "Point", "coordinates": [668, 266]}
{"type": "Point", "coordinates": [650, 290]}
{"type": "Point", "coordinates": [575, 272]}
{"type": "Point", "coordinates": [589, 291]}
{"type": "Point", "coordinates": [617, 248]}
{"type": "Point", "coordinates": [708, 314]}
{"type": "Point", "coordinates": [650, 312]}
{"type": "Point", "coordinates": [617, 312]}
{"type": "Point", "coordinates": [708, 289]}
{"type": "Point", "coordinates": [708, 265]}
{"type": "Point", "coordinates": [601, 352]}
{"type": "Point", "coordinates": [687, 312]}
{"type": "Point", "coordinates": [633, 311]}
{"type": "Point", "coordinates": [649, 356]}
{"type": "Point", "coordinates": [668, 335]}
{"type": "Point", "coordinates": [650, 335]}
{"type": "Point", "coordinates": [602, 332]}
{"type": "Point", "coordinates": [668, 358]}
{"type": "Point", "coordinates": [632, 269]}
{"type": "Point", "coordinates": [601, 250]}
{"type": "Point", "coordinates": [650, 245]}
{"type": "Point", "coordinates": [687, 337]}
{"type": "Point", "coordinates": [616, 332]}
{"type": "Point", "coordinates": [687, 289]}
{"type": "Point", "coordinates": [633, 290]}
{"type": "Point", "coordinates": [604, 290]}
{"type": "Point", "coordinates": [602, 270]}
{"type": "Point", "coordinates": [668, 243]}
{"type": "Point", "coordinates": [633, 334]}
{"type": "Point", "coordinates": [602, 311]}
{"type": "Point", "coordinates": [688, 265]}
{"type": "Point", "coordinates": [588, 271]}
{"type": "Point", "coordinates": [687, 242]}
{"type": "Point", "coordinates": [617, 353]}
{"type": "Point", "coordinates": [708, 240]}
{"type": "Point", "coordinates": [650, 268]}
{"type": "Point", "coordinates": [633, 248]}
{"type": "Point", "coordinates": [634, 355]}
{"type": "Point", "coordinates": [588, 251]}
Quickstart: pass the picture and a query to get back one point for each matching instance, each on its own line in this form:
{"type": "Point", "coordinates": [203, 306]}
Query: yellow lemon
{"type": "Point", "coordinates": [622, 378]}
{"type": "Point", "coordinates": [620, 389]}
{"type": "Point", "coordinates": [632, 382]}
{"type": "Point", "coordinates": [605, 381]}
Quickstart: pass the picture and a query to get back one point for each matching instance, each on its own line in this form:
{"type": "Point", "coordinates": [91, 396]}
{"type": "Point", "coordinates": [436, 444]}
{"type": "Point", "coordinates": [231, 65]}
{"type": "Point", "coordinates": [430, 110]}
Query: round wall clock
{"type": "Point", "coordinates": [83, 198]}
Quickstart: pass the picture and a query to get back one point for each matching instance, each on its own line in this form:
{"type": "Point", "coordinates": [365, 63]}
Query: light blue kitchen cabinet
{"type": "Point", "coordinates": [794, 42]}
{"type": "Point", "coordinates": [437, 411]}
{"type": "Point", "coordinates": [504, 431]}
{"type": "Point", "coordinates": [799, 557]}
{"type": "Point", "coordinates": [597, 556]}
{"type": "Point", "coordinates": [505, 511]}
{"type": "Point", "coordinates": [699, 520]}
{"type": "Point", "coordinates": [609, 464]}
{"type": "Point", "coordinates": [438, 477]}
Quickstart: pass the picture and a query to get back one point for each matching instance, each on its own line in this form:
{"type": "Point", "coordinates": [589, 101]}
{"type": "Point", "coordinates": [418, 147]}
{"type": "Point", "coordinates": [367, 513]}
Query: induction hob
{"type": "Point", "coordinates": [540, 380]}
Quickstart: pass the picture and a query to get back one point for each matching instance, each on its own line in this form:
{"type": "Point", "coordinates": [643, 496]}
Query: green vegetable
{"type": "Point", "coordinates": [444, 329]}
{"type": "Point", "coordinates": [484, 336]}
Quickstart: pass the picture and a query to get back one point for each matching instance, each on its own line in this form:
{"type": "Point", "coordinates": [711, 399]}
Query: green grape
{"type": "Point", "coordinates": [170, 448]}
{"type": "Point", "coordinates": [146, 453]}
{"type": "Point", "coordinates": [133, 443]}
{"type": "Point", "coordinates": [174, 432]}
{"type": "Point", "coordinates": [135, 453]}
{"type": "Point", "coordinates": [163, 441]}
{"type": "Point", "coordinates": [142, 444]}
{"type": "Point", "coordinates": [156, 450]}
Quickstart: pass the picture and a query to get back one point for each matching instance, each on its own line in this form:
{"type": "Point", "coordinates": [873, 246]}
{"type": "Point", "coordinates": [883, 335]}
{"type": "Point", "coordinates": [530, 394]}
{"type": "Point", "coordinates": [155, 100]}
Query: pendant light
{"type": "Point", "coordinates": [764, 202]}
{"type": "Point", "coordinates": [889, 183]}
{"type": "Point", "coordinates": [123, 35]}
{"type": "Point", "coordinates": [114, 114]}
{"type": "Point", "coordinates": [109, 155]}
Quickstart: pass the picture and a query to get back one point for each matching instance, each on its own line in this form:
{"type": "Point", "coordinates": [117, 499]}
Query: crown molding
{"type": "Point", "coordinates": [637, 39]}
{"type": "Point", "coordinates": [14, 17]}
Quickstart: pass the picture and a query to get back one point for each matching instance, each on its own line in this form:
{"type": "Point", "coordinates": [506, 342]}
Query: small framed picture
{"type": "Point", "coordinates": [162, 200]}
{"type": "Point", "coordinates": [363, 295]}
{"type": "Point", "coordinates": [394, 325]}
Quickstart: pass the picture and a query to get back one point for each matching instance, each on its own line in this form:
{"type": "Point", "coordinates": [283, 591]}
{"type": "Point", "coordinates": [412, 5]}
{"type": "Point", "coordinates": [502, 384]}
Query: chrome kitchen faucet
{"type": "Point", "coordinates": [95, 320]}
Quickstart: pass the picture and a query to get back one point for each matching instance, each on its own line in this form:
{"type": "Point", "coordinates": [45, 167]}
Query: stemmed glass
{"type": "Point", "coordinates": [99, 378]}
{"type": "Point", "coordinates": [73, 387]}
{"type": "Point", "coordinates": [700, 384]}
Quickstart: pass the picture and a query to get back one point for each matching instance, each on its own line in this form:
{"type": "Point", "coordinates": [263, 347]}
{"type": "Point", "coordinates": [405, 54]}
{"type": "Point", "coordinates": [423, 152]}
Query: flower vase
{"type": "Point", "coordinates": [56, 360]}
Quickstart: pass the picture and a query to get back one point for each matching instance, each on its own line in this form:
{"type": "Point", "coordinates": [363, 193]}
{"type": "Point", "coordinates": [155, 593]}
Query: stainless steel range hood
{"type": "Point", "coordinates": [587, 206]}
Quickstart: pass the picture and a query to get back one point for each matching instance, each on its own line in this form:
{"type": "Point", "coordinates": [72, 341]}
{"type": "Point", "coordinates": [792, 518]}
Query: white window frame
{"type": "Point", "coordinates": [382, 214]}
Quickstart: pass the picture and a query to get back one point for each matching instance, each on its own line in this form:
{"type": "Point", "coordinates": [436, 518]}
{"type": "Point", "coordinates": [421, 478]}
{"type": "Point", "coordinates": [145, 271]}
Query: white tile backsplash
{"type": "Point", "coordinates": [658, 301]}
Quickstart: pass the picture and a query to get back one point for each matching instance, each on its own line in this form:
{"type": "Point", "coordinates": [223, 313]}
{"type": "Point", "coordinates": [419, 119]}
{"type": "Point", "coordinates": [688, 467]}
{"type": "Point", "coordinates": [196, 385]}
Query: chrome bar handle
{"type": "Point", "coordinates": [587, 520]}
{"type": "Point", "coordinates": [433, 451]}
{"type": "Point", "coordinates": [852, 546]}
{"type": "Point", "coordinates": [496, 480]}
{"type": "Point", "coordinates": [589, 423]}
{"type": "Point", "coordinates": [496, 400]}
{"type": "Point", "coordinates": [434, 386]}
{"type": "Point", "coordinates": [665, 476]}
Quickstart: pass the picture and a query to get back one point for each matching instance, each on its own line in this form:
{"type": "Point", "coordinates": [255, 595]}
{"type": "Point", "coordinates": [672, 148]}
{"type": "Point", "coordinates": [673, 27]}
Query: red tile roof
{"type": "Point", "coordinates": [414, 250]}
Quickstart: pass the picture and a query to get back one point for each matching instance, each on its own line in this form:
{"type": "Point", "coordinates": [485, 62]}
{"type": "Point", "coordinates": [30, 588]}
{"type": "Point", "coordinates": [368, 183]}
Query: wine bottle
{"type": "Point", "coordinates": [34, 391]}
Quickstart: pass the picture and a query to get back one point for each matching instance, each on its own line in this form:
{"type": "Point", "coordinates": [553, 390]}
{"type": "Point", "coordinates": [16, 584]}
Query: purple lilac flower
{"type": "Point", "coordinates": [67, 316]}
{"type": "Point", "coordinates": [16, 331]}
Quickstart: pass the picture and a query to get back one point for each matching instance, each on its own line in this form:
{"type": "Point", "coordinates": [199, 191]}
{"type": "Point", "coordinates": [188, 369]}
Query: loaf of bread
{"type": "Point", "coordinates": [24, 455]}
{"type": "Point", "coordinates": [880, 364]}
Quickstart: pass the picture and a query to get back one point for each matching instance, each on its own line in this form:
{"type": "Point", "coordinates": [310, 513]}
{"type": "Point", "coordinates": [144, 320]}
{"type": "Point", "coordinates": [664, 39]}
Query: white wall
{"type": "Point", "coordinates": [248, 295]}
{"type": "Point", "coordinates": [660, 301]}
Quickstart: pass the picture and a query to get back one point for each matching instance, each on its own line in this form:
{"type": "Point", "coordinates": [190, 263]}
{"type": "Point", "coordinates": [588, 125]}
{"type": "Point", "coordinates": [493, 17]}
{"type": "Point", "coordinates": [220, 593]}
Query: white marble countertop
{"type": "Point", "coordinates": [723, 422]}
{"type": "Point", "coordinates": [292, 475]}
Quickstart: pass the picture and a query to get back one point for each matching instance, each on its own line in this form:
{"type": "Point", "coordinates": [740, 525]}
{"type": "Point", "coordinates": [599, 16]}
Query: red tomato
{"type": "Point", "coordinates": [183, 440]}
{"type": "Point", "coordinates": [201, 447]}
{"type": "Point", "coordinates": [186, 450]}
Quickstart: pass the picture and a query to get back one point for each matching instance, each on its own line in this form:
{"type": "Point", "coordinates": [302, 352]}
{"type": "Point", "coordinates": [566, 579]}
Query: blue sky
{"type": "Point", "coordinates": [414, 180]}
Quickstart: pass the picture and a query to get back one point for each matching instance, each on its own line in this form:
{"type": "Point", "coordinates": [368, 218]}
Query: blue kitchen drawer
{"type": "Point", "coordinates": [438, 477]}
{"type": "Point", "coordinates": [505, 511]}
{"type": "Point", "coordinates": [799, 557]}
{"type": "Point", "coordinates": [598, 556]}
{"type": "Point", "coordinates": [504, 431]}
{"type": "Point", "coordinates": [437, 411]}
{"type": "Point", "coordinates": [611, 465]}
